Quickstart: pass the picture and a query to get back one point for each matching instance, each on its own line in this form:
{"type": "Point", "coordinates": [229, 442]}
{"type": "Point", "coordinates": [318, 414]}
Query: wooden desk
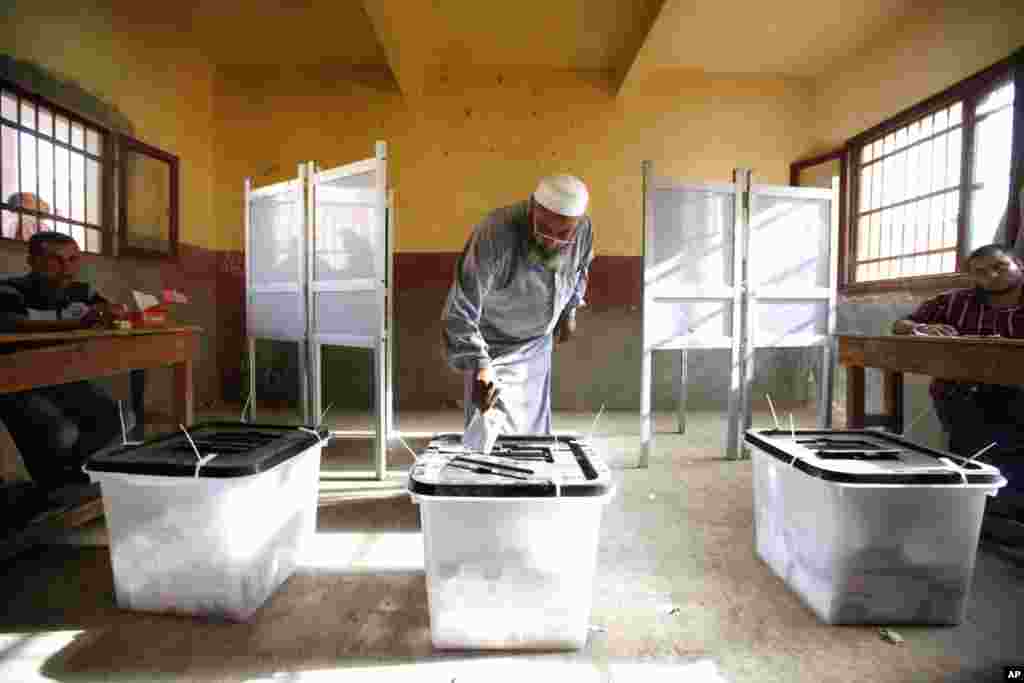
{"type": "Point", "coordinates": [972, 359]}
{"type": "Point", "coordinates": [41, 359]}
{"type": "Point", "coordinates": [47, 358]}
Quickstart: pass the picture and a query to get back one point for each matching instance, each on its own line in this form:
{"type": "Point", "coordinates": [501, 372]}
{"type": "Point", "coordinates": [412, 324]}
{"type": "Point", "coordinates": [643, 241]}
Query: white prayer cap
{"type": "Point", "coordinates": [562, 194]}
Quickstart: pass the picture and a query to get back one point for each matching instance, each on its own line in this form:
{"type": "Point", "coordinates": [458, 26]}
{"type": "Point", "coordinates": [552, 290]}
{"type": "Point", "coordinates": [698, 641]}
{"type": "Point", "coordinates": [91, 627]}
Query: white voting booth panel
{"type": "Point", "coordinates": [740, 267]}
{"type": "Point", "coordinates": [688, 271]}
{"type": "Point", "coordinates": [319, 273]}
{"type": "Point", "coordinates": [792, 277]}
{"type": "Point", "coordinates": [347, 257]}
{"type": "Point", "coordinates": [350, 252]}
{"type": "Point", "coordinates": [790, 266]}
{"type": "Point", "coordinates": [276, 274]}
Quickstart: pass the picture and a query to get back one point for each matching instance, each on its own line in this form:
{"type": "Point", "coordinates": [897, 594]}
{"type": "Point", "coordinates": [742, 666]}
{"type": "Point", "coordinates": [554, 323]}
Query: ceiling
{"type": "Point", "coordinates": [627, 38]}
{"type": "Point", "coordinates": [563, 34]}
{"type": "Point", "coordinates": [785, 37]}
{"type": "Point", "coordinates": [287, 32]}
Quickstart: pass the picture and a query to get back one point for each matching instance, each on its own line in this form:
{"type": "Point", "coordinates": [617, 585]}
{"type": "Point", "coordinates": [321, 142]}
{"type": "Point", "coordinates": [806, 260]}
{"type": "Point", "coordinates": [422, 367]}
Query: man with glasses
{"type": "Point", "coordinates": [976, 414]}
{"type": "Point", "coordinates": [516, 288]}
{"type": "Point", "coordinates": [973, 414]}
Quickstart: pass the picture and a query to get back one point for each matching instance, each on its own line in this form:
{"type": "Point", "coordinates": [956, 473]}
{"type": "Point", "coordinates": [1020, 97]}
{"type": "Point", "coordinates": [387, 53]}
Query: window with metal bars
{"type": "Point", "coordinates": [52, 172]}
{"type": "Point", "coordinates": [934, 184]}
{"type": "Point", "coordinates": [57, 172]}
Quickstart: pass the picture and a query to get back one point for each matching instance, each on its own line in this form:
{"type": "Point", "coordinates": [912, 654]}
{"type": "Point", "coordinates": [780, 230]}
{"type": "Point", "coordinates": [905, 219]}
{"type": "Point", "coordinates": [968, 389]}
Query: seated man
{"type": "Point", "coordinates": [974, 415]}
{"type": "Point", "coordinates": [56, 427]}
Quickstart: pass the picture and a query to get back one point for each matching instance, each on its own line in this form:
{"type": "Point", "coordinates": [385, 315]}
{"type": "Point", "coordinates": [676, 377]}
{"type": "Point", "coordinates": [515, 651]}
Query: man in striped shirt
{"type": "Point", "coordinates": [972, 414]}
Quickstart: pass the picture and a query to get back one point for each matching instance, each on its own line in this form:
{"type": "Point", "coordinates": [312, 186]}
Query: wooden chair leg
{"type": "Point", "coordinates": [137, 382]}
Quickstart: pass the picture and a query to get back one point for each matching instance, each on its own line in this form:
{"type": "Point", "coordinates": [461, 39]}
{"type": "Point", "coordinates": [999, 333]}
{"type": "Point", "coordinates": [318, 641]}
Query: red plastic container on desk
{"type": "Point", "coordinates": [154, 316]}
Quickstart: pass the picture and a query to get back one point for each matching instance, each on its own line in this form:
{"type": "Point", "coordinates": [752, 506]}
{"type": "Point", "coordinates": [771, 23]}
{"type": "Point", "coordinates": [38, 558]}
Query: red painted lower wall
{"type": "Point", "coordinates": [421, 281]}
{"type": "Point", "coordinates": [614, 280]}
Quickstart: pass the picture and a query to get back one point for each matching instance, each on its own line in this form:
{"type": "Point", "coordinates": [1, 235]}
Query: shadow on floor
{"type": "Point", "coordinates": [381, 514]}
{"type": "Point", "coordinates": [360, 590]}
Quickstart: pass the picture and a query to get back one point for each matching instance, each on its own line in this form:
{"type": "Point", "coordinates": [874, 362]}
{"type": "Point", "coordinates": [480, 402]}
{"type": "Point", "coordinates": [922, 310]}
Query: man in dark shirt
{"type": "Point", "coordinates": [56, 427]}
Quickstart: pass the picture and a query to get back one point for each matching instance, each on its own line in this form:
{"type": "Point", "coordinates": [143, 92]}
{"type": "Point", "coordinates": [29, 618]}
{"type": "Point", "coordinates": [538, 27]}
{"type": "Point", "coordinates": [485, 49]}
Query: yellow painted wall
{"type": "Point", "coordinates": [480, 139]}
{"type": "Point", "coordinates": [912, 61]}
{"type": "Point", "coordinates": [122, 53]}
{"type": "Point", "coordinates": [472, 142]}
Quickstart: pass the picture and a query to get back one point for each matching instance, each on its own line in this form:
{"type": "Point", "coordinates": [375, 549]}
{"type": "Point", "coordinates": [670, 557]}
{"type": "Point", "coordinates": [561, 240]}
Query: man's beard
{"type": "Point", "coordinates": [1006, 290]}
{"type": "Point", "coordinates": [551, 259]}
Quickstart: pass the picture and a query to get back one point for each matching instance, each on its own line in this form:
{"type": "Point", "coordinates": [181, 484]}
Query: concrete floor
{"type": "Point", "coordinates": [680, 594]}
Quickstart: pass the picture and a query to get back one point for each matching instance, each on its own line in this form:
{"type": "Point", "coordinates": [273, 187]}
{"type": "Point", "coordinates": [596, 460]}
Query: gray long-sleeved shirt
{"type": "Point", "coordinates": [500, 304]}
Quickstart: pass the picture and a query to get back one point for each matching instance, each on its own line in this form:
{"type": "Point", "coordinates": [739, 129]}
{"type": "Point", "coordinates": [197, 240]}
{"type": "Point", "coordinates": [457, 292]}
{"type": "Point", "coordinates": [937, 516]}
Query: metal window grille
{"type": "Point", "coordinates": [53, 168]}
{"type": "Point", "coordinates": [933, 189]}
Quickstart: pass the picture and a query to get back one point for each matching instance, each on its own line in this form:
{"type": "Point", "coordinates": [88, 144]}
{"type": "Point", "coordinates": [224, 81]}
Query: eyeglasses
{"type": "Point", "coordinates": [996, 270]}
{"type": "Point", "coordinates": [559, 241]}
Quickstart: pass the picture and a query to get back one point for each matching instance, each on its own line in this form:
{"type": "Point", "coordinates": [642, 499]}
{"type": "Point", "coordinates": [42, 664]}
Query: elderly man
{"type": "Point", "coordinates": [517, 285]}
{"type": "Point", "coordinates": [55, 428]}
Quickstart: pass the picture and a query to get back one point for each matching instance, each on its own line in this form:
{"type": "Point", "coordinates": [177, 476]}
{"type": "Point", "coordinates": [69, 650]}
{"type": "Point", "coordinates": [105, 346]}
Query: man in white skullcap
{"type": "Point", "coordinates": [516, 288]}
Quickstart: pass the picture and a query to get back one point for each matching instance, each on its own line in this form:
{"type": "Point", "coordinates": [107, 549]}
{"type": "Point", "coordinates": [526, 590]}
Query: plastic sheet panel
{"type": "Point", "coordinates": [275, 239]}
{"type": "Point", "coordinates": [707, 323]}
{"type": "Point", "coordinates": [347, 314]}
{"type": "Point", "coordinates": [691, 243]}
{"type": "Point", "coordinates": [783, 322]}
{"type": "Point", "coordinates": [276, 315]}
{"type": "Point", "coordinates": [348, 257]}
{"type": "Point", "coordinates": [789, 241]}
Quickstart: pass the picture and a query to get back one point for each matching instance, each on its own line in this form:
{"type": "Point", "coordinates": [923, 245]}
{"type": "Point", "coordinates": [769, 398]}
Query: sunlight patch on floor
{"type": "Point", "coordinates": [502, 669]}
{"type": "Point", "coordinates": [22, 655]}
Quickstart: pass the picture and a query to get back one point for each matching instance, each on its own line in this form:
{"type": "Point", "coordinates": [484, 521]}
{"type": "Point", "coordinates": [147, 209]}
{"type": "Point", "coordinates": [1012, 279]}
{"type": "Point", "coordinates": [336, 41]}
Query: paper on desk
{"type": "Point", "coordinates": [144, 301]}
{"type": "Point", "coordinates": [173, 296]}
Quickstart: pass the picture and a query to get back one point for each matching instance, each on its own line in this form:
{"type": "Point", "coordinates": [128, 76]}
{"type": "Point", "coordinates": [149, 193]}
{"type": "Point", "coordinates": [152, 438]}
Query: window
{"type": "Point", "coordinates": [57, 173]}
{"type": "Point", "coordinates": [52, 173]}
{"type": "Point", "coordinates": [932, 184]}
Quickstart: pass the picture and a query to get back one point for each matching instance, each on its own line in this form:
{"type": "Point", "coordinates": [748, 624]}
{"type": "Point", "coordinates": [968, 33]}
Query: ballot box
{"type": "Point", "coordinates": [510, 540]}
{"type": "Point", "coordinates": [210, 523]}
{"type": "Point", "coordinates": [867, 527]}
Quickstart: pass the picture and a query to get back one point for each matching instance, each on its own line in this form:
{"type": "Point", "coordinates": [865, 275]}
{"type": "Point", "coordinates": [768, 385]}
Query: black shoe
{"type": "Point", "coordinates": [21, 502]}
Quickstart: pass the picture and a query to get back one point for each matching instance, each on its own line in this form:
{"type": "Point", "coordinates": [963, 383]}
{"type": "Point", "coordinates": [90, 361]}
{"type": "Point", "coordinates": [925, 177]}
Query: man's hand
{"type": "Point", "coordinates": [566, 328]}
{"type": "Point", "coordinates": [94, 318]}
{"type": "Point", "coordinates": [907, 326]}
{"type": "Point", "coordinates": [103, 314]}
{"type": "Point", "coordinates": [935, 330]}
{"type": "Point", "coordinates": [485, 391]}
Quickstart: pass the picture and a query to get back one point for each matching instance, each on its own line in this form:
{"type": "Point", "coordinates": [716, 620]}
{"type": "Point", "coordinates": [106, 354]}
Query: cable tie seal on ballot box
{"type": "Point", "coordinates": [963, 470]}
{"type": "Point", "coordinates": [314, 433]}
{"type": "Point", "coordinates": [203, 461]}
{"type": "Point", "coordinates": [555, 480]}
{"type": "Point", "coordinates": [200, 460]}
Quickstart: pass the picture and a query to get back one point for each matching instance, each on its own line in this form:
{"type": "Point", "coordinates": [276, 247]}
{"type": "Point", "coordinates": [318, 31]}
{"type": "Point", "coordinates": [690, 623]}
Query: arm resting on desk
{"type": "Point", "coordinates": [99, 315]}
{"type": "Point", "coordinates": [17, 323]}
{"type": "Point", "coordinates": [932, 330]}
{"type": "Point", "coordinates": [904, 326]}
{"type": "Point", "coordinates": [929, 319]}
